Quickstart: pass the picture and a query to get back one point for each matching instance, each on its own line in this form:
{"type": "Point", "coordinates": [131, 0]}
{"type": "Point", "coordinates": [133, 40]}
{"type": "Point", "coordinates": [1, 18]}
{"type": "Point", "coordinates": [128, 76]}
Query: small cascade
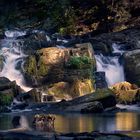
{"type": "Point", "coordinates": [114, 72]}
{"type": "Point", "coordinates": [13, 56]}
{"type": "Point", "coordinates": [24, 123]}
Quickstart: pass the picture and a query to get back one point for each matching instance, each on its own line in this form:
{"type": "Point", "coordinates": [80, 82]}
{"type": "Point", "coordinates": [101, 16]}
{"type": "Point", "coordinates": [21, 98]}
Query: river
{"type": "Point", "coordinates": [104, 122]}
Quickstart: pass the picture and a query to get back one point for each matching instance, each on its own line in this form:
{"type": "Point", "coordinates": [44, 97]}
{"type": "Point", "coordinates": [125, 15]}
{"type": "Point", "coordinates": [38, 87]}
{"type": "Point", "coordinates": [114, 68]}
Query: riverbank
{"type": "Point", "coordinates": [24, 134]}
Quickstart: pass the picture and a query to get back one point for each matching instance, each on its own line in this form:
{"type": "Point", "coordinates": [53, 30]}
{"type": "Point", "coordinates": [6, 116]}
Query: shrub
{"type": "Point", "coordinates": [126, 93]}
{"type": "Point", "coordinates": [5, 99]}
{"type": "Point", "coordinates": [79, 62]}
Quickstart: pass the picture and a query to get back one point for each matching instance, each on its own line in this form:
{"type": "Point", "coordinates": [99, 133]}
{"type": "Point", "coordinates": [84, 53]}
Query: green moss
{"type": "Point", "coordinates": [78, 62]}
{"type": "Point", "coordinates": [30, 65]}
{"type": "Point", "coordinates": [34, 67]}
{"type": "Point", "coordinates": [1, 62]}
{"type": "Point", "coordinates": [5, 99]}
{"type": "Point", "coordinates": [102, 93]}
{"type": "Point", "coordinates": [42, 69]}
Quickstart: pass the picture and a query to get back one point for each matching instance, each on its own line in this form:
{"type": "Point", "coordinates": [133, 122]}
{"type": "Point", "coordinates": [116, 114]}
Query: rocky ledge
{"type": "Point", "coordinates": [99, 101]}
{"type": "Point", "coordinates": [12, 135]}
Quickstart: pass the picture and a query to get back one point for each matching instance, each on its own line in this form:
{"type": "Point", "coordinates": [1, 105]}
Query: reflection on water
{"type": "Point", "coordinates": [85, 122]}
{"type": "Point", "coordinates": [127, 121]}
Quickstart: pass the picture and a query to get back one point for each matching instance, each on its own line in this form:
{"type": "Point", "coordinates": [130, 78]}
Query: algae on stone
{"type": "Point", "coordinates": [34, 67]}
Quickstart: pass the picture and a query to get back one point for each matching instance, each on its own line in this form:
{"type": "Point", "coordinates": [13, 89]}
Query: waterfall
{"type": "Point", "coordinates": [24, 122]}
{"type": "Point", "coordinates": [114, 72]}
{"type": "Point", "coordinates": [13, 56]}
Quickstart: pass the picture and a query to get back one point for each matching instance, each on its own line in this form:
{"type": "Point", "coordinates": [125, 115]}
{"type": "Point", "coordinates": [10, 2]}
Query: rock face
{"type": "Point", "coordinates": [128, 39]}
{"type": "Point", "coordinates": [132, 66]}
{"type": "Point", "coordinates": [68, 136]}
{"type": "Point", "coordinates": [100, 81]}
{"type": "Point", "coordinates": [66, 90]}
{"type": "Point", "coordinates": [8, 90]}
{"type": "Point", "coordinates": [126, 93]}
{"type": "Point", "coordinates": [1, 63]}
{"type": "Point", "coordinates": [61, 69]}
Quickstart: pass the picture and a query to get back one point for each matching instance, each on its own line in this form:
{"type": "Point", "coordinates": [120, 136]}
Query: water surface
{"type": "Point", "coordinates": [121, 121]}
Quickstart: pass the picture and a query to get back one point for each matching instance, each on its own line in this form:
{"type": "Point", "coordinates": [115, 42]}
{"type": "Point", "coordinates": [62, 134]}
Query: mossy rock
{"type": "Point", "coordinates": [1, 62]}
{"type": "Point", "coordinates": [5, 99]}
{"type": "Point", "coordinates": [65, 90]}
{"type": "Point", "coordinates": [35, 67]}
{"type": "Point", "coordinates": [105, 96]}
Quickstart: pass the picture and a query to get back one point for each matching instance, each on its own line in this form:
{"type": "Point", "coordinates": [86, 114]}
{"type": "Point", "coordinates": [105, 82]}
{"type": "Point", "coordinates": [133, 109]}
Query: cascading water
{"type": "Point", "coordinates": [11, 51]}
{"type": "Point", "coordinates": [111, 66]}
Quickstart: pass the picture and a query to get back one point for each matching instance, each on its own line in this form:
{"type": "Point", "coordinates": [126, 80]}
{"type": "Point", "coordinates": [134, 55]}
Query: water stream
{"type": "Point", "coordinates": [13, 56]}
{"type": "Point", "coordinates": [111, 65]}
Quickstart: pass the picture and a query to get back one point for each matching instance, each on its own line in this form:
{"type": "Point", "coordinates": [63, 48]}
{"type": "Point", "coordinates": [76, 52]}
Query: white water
{"type": "Point", "coordinates": [14, 34]}
{"type": "Point", "coordinates": [11, 51]}
{"type": "Point", "coordinates": [114, 72]}
{"type": "Point", "coordinates": [129, 107]}
{"type": "Point", "coordinates": [24, 123]}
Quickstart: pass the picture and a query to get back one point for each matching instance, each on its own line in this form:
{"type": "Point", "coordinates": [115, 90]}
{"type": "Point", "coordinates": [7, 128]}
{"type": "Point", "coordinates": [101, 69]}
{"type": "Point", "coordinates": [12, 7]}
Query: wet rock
{"type": "Point", "coordinates": [100, 81]}
{"type": "Point", "coordinates": [100, 46]}
{"type": "Point", "coordinates": [4, 109]}
{"type": "Point", "coordinates": [2, 34]}
{"type": "Point", "coordinates": [6, 86]}
{"type": "Point", "coordinates": [104, 96]}
{"type": "Point", "coordinates": [20, 106]}
{"type": "Point", "coordinates": [96, 107]}
{"type": "Point", "coordinates": [98, 101]}
{"type": "Point", "coordinates": [132, 66]}
{"type": "Point", "coordinates": [1, 63]}
{"type": "Point", "coordinates": [128, 38]}
{"type": "Point", "coordinates": [35, 96]}
{"type": "Point", "coordinates": [16, 121]}
{"type": "Point", "coordinates": [48, 98]}
{"type": "Point", "coordinates": [4, 80]}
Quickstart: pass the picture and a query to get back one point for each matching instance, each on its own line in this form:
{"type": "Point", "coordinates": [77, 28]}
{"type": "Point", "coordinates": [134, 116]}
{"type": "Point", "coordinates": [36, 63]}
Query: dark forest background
{"type": "Point", "coordinates": [70, 16]}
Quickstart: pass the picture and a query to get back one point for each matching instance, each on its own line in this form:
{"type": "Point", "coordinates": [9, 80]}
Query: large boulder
{"type": "Point", "coordinates": [9, 87]}
{"type": "Point", "coordinates": [128, 39]}
{"type": "Point", "coordinates": [66, 90]}
{"type": "Point", "coordinates": [8, 91]}
{"type": "Point", "coordinates": [132, 66]}
{"type": "Point", "coordinates": [59, 64]}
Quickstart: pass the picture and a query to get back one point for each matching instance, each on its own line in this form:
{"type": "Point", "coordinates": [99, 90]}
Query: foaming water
{"type": "Point", "coordinates": [114, 71]}
{"type": "Point", "coordinates": [14, 34]}
{"type": "Point", "coordinates": [13, 56]}
{"type": "Point", "coordinates": [24, 123]}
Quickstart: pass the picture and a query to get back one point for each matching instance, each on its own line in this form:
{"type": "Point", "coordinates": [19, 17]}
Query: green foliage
{"type": "Point", "coordinates": [5, 99]}
{"type": "Point", "coordinates": [79, 62]}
